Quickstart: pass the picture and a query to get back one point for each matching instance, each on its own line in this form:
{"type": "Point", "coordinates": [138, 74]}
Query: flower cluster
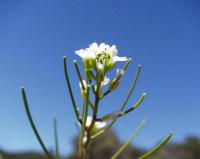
{"type": "Point", "coordinates": [100, 57]}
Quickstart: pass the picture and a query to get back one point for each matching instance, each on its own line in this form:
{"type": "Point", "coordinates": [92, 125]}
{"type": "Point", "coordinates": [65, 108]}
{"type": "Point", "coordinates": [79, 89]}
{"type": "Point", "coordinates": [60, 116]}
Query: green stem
{"type": "Point", "coordinates": [70, 91]}
{"type": "Point", "coordinates": [141, 125]}
{"type": "Point", "coordinates": [79, 74]}
{"type": "Point", "coordinates": [94, 117]}
{"type": "Point", "coordinates": [83, 128]}
{"type": "Point", "coordinates": [132, 86]}
{"type": "Point", "coordinates": [158, 147]}
{"type": "Point", "coordinates": [139, 102]}
{"type": "Point", "coordinates": [33, 125]}
{"type": "Point", "coordinates": [56, 138]}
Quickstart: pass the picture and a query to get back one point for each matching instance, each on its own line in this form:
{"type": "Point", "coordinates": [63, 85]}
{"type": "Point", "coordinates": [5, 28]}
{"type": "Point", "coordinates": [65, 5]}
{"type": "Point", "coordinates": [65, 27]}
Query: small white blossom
{"type": "Point", "coordinates": [104, 56]}
{"type": "Point", "coordinates": [85, 54]}
{"type": "Point", "coordinates": [98, 124]}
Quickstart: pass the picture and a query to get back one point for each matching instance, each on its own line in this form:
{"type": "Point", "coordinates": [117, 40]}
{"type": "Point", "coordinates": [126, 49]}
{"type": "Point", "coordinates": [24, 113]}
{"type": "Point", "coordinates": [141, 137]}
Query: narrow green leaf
{"type": "Point", "coordinates": [154, 150]}
{"type": "Point", "coordinates": [33, 125]}
{"type": "Point", "coordinates": [70, 90]}
{"type": "Point", "coordinates": [56, 138]}
{"type": "Point", "coordinates": [132, 86]}
{"type": "Point", "coordinates": [141, 125]}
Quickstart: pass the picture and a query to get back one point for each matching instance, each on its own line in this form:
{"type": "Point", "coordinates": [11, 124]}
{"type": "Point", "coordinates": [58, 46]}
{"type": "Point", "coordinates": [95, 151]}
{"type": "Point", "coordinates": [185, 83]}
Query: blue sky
{"type": "Point", "coordinates": [162, 36]}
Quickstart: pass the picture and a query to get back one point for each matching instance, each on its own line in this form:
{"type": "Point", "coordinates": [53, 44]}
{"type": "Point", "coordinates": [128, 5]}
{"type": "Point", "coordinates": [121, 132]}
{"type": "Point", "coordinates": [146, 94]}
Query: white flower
{"type": "Point", "coordinates": [112, 51]}
{"type": "Point", "coordinates": [105, 56]}
{"type": "Point", "coordinates": [97, 125]}
{"type": "Point", "coordinates": [85, 54]}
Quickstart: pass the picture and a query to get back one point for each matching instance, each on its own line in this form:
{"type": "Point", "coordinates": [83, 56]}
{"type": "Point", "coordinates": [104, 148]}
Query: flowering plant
{"type": "Point", "coordinates": [97, 60]}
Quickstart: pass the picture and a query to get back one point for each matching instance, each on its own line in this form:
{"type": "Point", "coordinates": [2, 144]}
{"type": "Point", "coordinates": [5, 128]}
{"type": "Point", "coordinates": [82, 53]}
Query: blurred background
{"type": "Point", "coordinates": [162, 36]}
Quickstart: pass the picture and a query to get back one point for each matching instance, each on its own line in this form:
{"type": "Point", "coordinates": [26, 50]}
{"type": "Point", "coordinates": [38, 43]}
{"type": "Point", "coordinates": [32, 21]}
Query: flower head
{"type": "Point", "coordinates": [101, 57]}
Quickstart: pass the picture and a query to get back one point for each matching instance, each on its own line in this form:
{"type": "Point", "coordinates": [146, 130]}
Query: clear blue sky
{"type": "Point", "coordinates": [162, 36]}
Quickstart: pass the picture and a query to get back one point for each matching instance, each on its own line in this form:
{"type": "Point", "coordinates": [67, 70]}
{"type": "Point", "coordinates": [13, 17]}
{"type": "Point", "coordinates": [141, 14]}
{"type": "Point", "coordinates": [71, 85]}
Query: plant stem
{"type": "Point", "coordinates": [56, 138]}
{"type": "Point", "coordinates": [33, 125]}
{"type": "Point", "coordinates": [94, 117]}
{"type": "Point", "coordinates": [132, 86]}
{"type": "Point", "coordinates": [141, 125]}
{"type": "Point", "coordinates": [82, 149]}
{"type": "Point", "coordinates": [76, 110]}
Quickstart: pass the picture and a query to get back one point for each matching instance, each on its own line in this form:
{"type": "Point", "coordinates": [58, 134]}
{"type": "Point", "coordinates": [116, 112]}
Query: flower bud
{"type": "Point", "coordinates": [109, 66]}
{"type": "Point", "coordinates": [88, 64]}
{"type": "Point", "coordinates": [114, 84]}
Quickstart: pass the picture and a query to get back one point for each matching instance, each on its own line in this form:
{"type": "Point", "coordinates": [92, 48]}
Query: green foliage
{"type": "Point", "coordinates": [107, 144]}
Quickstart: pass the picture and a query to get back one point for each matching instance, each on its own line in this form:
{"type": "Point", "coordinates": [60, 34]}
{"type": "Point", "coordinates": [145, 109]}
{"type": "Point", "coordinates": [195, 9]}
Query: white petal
{"type": "Point", "coordinates": [93, 47]}
{"type": "Point", "coordinates": [81, 53]}
{"type": "Point", "coordinates": [100, 66]}
{"type": "Point", "coordinates": [91, 54]}
{"type": "Point", "coordinates": [88, 121]}
{"type": "Point", "coordinates": [117, 58]}
{"type": "Point", "coordinates": [106, 81]}
{"type": "Point", "coordinates": [102, 48]}
{"type": "Point", "coordinates": [113, 51]}
{"type": "Point", "coordinates": [86, 54]}
{"type": "Point", "coordinates": [100, 125]}
{"type": "Point", "coordinates": [84, 139]}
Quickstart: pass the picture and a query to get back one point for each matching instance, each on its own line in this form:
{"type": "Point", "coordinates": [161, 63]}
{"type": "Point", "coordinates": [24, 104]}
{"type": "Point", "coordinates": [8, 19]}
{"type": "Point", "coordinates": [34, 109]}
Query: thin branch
{"type": "Point", "coordinates": [79, 74]}
{"type": "Point", "coordinates": [158, 147]}
{"type": "Point", "coordinates": [94, 116]}
{"type": "Point", "coordinates": [132, 86]}
{"type": "Point", "coordinates": [123, 147]}
{"type": "Point", "coordinates": [33, 125]}
{"type": "Point", "coordinates": [70, 91]}
{"type": "Point", "coordinates": [83, 127]}
{"type": "Point", "coordinates": [56, 138]}
{"type": "Point", "coordinates": [135, 106]}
